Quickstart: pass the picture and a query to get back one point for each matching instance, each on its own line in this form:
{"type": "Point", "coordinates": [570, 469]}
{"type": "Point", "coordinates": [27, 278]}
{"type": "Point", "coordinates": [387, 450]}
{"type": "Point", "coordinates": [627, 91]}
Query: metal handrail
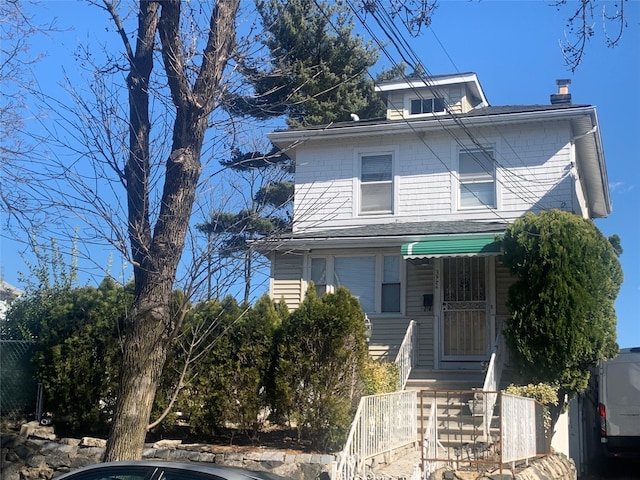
{"type": "Point", "coordinates": [406, 357]}
{"type": "Point", "coordinates": [492, 380]}
{"type": "Point", "coordinates": [519, 431]}
{"type": "Point", "coordinates": [382, 424]}
{"type": "Point", "coordinates": [430, 441]}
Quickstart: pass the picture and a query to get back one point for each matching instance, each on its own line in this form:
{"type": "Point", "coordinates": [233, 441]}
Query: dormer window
{"type": "Point", "coordinates": [427, 105]}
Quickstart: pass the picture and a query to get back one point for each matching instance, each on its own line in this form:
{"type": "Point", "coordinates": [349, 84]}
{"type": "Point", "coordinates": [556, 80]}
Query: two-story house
{"type": "Point", "coordinates": [404, 210]}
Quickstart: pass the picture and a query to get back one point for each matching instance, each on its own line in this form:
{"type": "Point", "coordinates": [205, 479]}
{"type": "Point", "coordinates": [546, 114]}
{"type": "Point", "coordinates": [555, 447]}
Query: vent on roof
{"type": "Point", "coordinates": [563, 96]}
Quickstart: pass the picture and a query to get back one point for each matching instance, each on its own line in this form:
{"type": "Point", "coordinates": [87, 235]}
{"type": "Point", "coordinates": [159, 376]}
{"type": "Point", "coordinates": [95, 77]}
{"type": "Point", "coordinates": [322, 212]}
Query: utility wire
{"type": "Point", "coordinates": [410, 58]}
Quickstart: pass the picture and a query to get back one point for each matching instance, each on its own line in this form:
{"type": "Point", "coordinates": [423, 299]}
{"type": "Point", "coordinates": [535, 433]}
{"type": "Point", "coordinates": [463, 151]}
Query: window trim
{"type": "Point", "coordinates": [477, 178]}
{"type": "Point", "coordinates": [392, 150]}
{"type": "Point", "coordinates": [379, 269]}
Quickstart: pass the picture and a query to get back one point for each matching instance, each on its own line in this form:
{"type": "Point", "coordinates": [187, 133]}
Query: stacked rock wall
{"type": "Point", "coordinates": [28, 456]}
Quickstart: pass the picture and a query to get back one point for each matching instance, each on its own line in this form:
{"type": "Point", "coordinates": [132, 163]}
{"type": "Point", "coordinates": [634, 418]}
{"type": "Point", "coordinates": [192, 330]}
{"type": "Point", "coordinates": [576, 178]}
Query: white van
{"type": "Point", "coordinates": [619, 404]}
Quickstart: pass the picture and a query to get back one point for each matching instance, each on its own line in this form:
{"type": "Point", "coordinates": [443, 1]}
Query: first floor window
{"type": "Point", "coordinates": [373, 279]}
{"type": "Point", "coordinates": [358, 274]}
{"type": "Point", "coordinates": [476, 171]}
{"type": "Point", "coordinates": [319, 275]}
{"type": "Point", "coordinates": [376, 183]}
{"type": "Point", "coordinates": [391, 284]}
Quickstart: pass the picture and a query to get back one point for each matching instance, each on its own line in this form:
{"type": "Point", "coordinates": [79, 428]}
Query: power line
{"type": "Point", "coordinates": [410, 58]}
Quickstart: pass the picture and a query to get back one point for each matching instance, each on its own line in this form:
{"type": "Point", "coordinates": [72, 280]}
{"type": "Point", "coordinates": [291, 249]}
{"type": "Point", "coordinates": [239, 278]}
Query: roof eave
{"type": "Point", "coordinates": [289, 139]}
{"type": "Point", "coordinates": [435, 82]}
{"type": "Point", "coordinates": [591, 165]}
{"type": "Point", "coordinates": [310, 243]}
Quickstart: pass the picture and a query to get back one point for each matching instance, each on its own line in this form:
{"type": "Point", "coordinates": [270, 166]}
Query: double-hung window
{"type": "Point", "coordinates": [319, 275]}
{"type": "Point", "coordinates": [373, 279]}
{"type": "Point", "coordinates": [376, 183]}
{"type": "Point", "coordinates": [477, 178]}
{"type": "Point", "coordinates": [427, 105]}
{"type": "Point", "coordinates": [391, 284]}
{"type": "Point", "coordinates": [358, 274]}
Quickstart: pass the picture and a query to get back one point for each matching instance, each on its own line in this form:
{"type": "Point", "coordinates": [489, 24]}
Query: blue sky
{"type": "Point", "coordinates": [513, 46]}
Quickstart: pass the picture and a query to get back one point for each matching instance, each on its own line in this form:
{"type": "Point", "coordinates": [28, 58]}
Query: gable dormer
{"type": "Point", "coordinates": [428, 96]}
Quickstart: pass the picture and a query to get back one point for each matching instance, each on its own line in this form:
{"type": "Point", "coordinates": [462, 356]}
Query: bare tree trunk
{"type": "Point", "coordinates": [148, 328]}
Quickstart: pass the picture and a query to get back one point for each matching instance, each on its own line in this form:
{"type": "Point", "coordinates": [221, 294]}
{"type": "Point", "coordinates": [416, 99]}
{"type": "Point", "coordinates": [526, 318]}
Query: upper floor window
{"type": "Point", "coordinates": [376, 183]}
{"type": "Point", "coordinates": [476, 170]}
{"type": "Point", "coordinates": [427, 105]}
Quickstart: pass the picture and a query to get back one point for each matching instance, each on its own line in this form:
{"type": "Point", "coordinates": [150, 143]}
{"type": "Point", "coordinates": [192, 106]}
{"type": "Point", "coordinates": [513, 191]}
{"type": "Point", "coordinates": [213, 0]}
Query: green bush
{"type": "Point", "coordinates": [206, 399]}
{"type": "Point", "coordinates": [542, 392]}
{"type": "Point", "coordinates": [235, 364]}
{"type": "Point", "coordinates": [380, 376]}
{"type": "Point", "coordinates": [77, 354]}
{"type": "Point", "coordinates": [226, 385]}
{"type": "Point", "coordinates": [322, 351]}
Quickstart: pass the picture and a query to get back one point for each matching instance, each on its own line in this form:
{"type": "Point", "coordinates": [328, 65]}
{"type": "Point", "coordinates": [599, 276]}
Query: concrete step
{"type": "Point", "coordinates": [424, 379]}
{"type": "Point", "coordinates": [458, 427]}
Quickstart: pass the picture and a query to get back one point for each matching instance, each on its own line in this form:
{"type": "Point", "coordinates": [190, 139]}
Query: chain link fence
{"type": "Point", "coordinates": [19, 392]}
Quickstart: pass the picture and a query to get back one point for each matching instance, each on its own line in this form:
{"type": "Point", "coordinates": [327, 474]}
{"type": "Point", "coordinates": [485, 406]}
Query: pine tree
{"type": "Point", "coordinates": [318, 74]}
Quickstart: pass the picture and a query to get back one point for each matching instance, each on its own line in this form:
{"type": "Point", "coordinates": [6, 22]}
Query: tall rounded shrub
{"type": "Point", "coordinates": [322, 351]}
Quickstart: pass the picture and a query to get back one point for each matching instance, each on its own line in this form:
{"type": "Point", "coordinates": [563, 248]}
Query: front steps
{"type": "Point", "coordinates": [461, 436]}
{"type": "Point", "coordinates": [461, 433]}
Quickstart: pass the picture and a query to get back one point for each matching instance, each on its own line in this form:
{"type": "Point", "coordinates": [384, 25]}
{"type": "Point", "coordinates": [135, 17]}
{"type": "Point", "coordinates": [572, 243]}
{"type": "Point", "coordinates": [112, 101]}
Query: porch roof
{"type": "Point", "coordinates": [379, 235]}
{"type": "Point", "coordinates": [452, 245]}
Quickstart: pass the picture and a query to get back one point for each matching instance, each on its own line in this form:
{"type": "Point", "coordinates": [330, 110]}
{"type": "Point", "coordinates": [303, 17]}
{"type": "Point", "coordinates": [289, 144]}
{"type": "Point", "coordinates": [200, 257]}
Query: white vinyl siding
{"type": "Point", "coordinates": [420, 282]}
{"type": "Point", "coordinates": [286, 279]}
{"type": "Point", "coordinates": [476, 173]}
{"type": "Point", "coordinates": [533, 174]}
{"type": "Point", "coordinates": [376, 183]}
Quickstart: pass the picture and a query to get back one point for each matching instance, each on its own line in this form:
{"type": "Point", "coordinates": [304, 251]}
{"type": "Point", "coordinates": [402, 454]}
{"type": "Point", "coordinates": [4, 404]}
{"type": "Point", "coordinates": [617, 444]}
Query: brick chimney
{"type": "Point", "coordinates": [563, 97]}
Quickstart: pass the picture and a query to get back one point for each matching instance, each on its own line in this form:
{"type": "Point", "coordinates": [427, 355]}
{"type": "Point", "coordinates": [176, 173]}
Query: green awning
{"type": "Point", "coordinates": [452, 246]}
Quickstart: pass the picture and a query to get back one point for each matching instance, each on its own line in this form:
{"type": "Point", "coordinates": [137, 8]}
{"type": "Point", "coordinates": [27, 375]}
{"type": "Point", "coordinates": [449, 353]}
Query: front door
{"type": "Point", "coordinates": [464, 312]}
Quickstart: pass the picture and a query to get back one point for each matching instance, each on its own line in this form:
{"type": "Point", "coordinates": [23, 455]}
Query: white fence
{"type": "Point", "coordinates": [453, 433]}
{"type": "Point", "coordinates": [518, 428]}
{"type": "Point", "coordinates": [382, 424]}
{"type": "Point", "coordinates": [407, 353]}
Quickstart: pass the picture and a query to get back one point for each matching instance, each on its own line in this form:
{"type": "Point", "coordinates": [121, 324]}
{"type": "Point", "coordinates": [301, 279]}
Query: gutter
{"type": "Point", "coordinates": [360, 129]}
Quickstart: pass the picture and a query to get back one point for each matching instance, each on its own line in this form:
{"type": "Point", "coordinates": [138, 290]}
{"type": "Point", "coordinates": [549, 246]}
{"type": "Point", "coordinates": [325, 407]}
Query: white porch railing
{"type": "Point", "coordinates": [519, 433]}
{"type": "Point", "coordinates": [382, 424]}
{"type": "Point", "coordinates": [518, 426]}
{"type": "Point", "coordinates": [407, 354]}
{"type": "Point", "coordinates": [430, 442]}
{"type": "Point", "coordinates": [492, 380]}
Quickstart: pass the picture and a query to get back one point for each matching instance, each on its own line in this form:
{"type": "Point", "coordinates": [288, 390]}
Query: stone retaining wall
{"type": "Point", "coordinates": [29, 457]}
{"type": "Point", "coordinates": [36, 454]}
{"type": "Point", "coordinates": [550, 467]}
